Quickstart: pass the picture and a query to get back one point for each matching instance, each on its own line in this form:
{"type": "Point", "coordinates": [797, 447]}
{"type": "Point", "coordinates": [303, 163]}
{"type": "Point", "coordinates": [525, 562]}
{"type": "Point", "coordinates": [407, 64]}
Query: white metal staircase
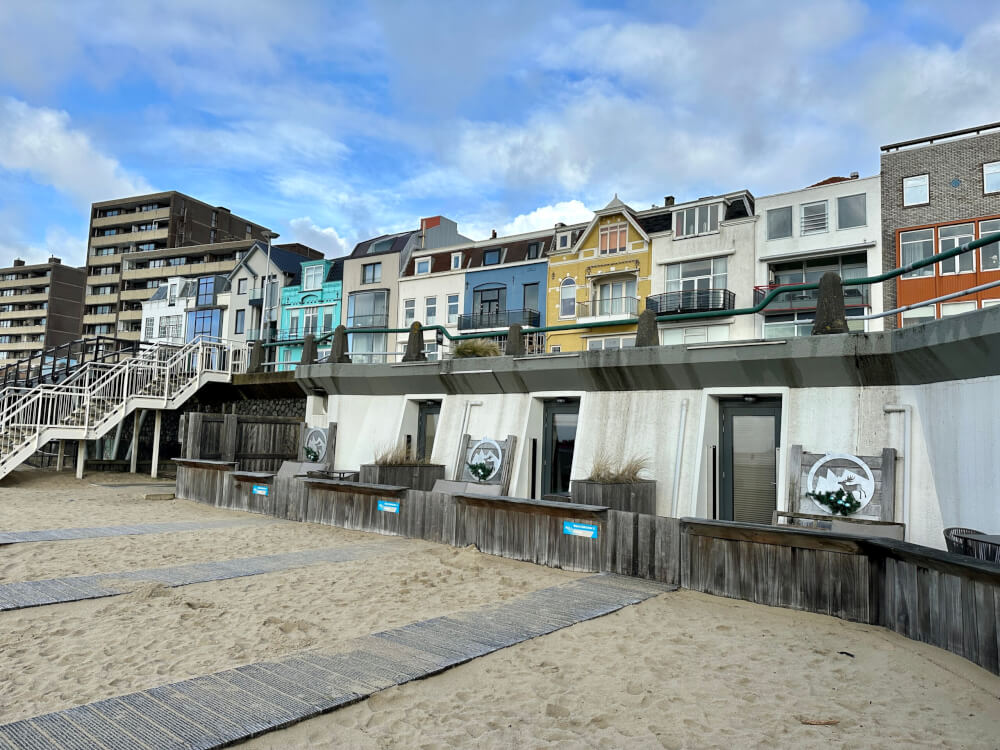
{"type": "Point", "coordinates": [97, 396]}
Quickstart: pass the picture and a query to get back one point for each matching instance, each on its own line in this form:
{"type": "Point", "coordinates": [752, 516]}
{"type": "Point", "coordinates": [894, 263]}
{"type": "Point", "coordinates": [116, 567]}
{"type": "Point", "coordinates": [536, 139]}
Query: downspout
{"type": "Point", "coordinates": [907, 412]}
{"type": "Point", "coordinates": [678, 458]}
{"type": "Point", "coordinates": [465, 424]}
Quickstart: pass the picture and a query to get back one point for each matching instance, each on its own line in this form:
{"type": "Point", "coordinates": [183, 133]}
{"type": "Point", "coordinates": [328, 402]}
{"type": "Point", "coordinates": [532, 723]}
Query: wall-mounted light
{"type": "Point", "coordinates": [750, 399]}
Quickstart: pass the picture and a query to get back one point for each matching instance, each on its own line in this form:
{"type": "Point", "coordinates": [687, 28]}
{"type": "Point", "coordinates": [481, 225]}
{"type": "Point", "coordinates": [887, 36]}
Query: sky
{"type": "Point", "coordinates": [331, 122]}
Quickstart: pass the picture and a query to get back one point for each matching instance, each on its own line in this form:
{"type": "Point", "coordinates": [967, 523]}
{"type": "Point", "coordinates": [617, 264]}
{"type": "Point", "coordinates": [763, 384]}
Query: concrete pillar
{"type": "Point", "coordinates": [61, 456]}
{"type": "Point", "coordinates": [135, 441]}
{"type": "Point", "coordinates": [157, 422]}
{"type": "Point", "coordinates": [81, 457]}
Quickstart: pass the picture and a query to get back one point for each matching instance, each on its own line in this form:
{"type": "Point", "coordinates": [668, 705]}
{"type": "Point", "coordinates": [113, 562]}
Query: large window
{"type": "Point", "coordinates": [148, 333]}
{"type": "Point", "coordinates": [914, 246]}
{"type": "Point", "coordinates": [989, 255]}
{"type": "Point", "coordinates": [790, 325]}
{"type": "Point", "coordinates": [917, 316]}
{"type": "Point", "coordinates": [616, 297]}
{"type": "Point", "coordinates": [531, 297]}
{"type": "Point", "coordinates": [489, 301]}
{"type": "Point", "coordinates": [567, 299]}
{"type": "Point", "coordinates": [991, 177]}
{"type": "Point", "coordinates": [697, 220]}
{"type": "Point", "coordinates": [814, 218]}
{"type": "Point", "coordinates": [452, 308]}
{"type": "Point", "coordinates": [310, 320]}
{"type": "Point", "coordinates": [951, 237]}
{"type": "Point", "coordinates": [424, 266]}
{"type": "Point", "coordinates": [241, 286]}
{"type": "Point", "coordinates": [206, 289]}
{"type": "Point", "coordinates": [170, 327]}
{"type": "Point", "coordinates": [852, 211]}
{"type": "Point", "coordinates": [409, 312]}
{"type": "Point", "coordinates": [612, 342]}
{"type": "Point", "coordinates": [240, 323]}
{"type": "Point", "coordinates": [694, 335]}
{"type": "Point", "coordinates": [614, 238]}
{"type": "Point", "coordinates": [957, 308]}
{"type": "Point", "coordinates": [371, 273]}
{"type": "Point", "coordinates": [367, 309]}
{"type": "Point", "coordinates": [430, 310]}
{"type": "Point", "coordinates": [312, 277]}
{"type": "Point", "coordinates": [491, 257]}
{"type": "Point", "coordinates": [697, 274]}
{"type": "Point", "coordinates": [779, 223]}
{"type": "Point", "coordinates": [916, 190]}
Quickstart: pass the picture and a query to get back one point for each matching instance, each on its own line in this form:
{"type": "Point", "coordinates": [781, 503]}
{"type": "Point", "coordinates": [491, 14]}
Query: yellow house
{"type": "Point", "coordinates": [600, 275]}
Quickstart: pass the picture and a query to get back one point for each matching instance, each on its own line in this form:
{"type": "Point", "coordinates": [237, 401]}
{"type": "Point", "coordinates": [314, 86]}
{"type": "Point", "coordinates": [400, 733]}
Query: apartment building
{"type": "Point", "coordinates": [41, 306]}
{"type": "Point", "coordinates": [937, 193]}
{"type": "Point", "coordinates": [834, 225]}
{"type": "Point", "coordinates": [473, 288]}
{"type": "Point", "coordinates": [137, 243]}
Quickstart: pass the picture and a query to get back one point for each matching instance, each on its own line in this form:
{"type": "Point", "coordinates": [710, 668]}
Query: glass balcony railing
{"type": "Point", "coordinates": [854, 296]}
{"type": "Point", "coordinates": [608, 307]}
{"type": "Point", "coordinates": [499, 319]}
{"type": "Point", "coordinates": [691, 300]}
{"type": "Point", "coordinates": [378, 320]}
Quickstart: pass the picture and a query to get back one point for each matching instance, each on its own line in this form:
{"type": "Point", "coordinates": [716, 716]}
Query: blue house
{"type": "Point", "coordinates": [311, 306]}
{"type": "Point", "coordinates": [505, 285]}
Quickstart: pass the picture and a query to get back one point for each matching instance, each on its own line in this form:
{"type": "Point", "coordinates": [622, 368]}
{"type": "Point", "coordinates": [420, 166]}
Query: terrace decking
{"type": "Point", "coordinates": [97, 532]}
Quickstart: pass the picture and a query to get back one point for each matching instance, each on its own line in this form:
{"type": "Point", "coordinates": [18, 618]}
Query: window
{"type": "Point", "coordinates": [177, 262]}
{"type": "Point", "coordinates": [240, 326]}
{"type": "Point", "coordinates": [694, 275]}
{"type": "Point", "coordinates": [206, 287]}
{"type": "Point", "coordinates": [531, 297]}
{"type": "Point", "coordinates": [616, 297]}
{"type": "Point", "coordinates": [852, 211]}
{"type": "Point", "coordinates": [488, 303]}
{"type": "Point", "coordinates": [215, 218]}
{"type": "Point", "coordinates": [989, 255]}
{"type": "Point", "coordinates": [212, 236]}
{"type": "Point", "coordinates": [379, 247]}
{"type": "Point", "coordinates": [312, 277]}
{"type": "Point", "coordinates": [614, 238]}
{"type": "Point", "coordinates": [956, 308]}
{"type": "Point", "coordinates": [567, 299]}
{"type": "Point", "coordinates": [456, 261]}
{"type": "Point", "coordinates": [991, 177]}
{"type": "Point", "coordinates": [371, 273]}
{"type": "Point", "coordinates": [241, 286]}
{"type": "Point", "coordinates": [158, 263]}
{"type": "Point", "coordinates": [430, 310]}
{"type": "Point", "coordinates": [918, 316]}
{"type": "Point", "coordinates": [431, 351]}
{"type": "Point", "coordinates": [615, 342]}
{"type": "Point", "coordinates": [697, 220]}
{"type": "Point", "coordinates": [555, 349]}
{"type": "Point", "coordinates": [172, 294]}
{"type": "Point", "coordinates": [293, 326]}
{"type": "Point", "coordinates": [148, 207]}
{"type": "Point", "coordinates": [914, 246]}
{"type": "Point", "coordinates": [915, 190]}
{"type": "Point", "coordinates": [148, 333]}
{"type": "Point", "coordinates": [110, 232]}
{"type": "Point", "coordinates": [452, 308]}
{"type": "Point", "coordinates": [533, 250]}
{"type": "Point", "coordinates": [310, 320]}
{"type": "Point", "coordinates": [950, 238]}
{"type": "Point", "coordinates": [491, 257]}
{"type": "Point", "coordinates": [990, 303]}
{"type": "Point", "coordinates": [143, 247]}
{"type": "Point", "coordinates": [694, 335]}
{"type": "Point", "coordinates": [564, 240]}
{"type": "Point", "coordinates": [813, 219]}
{"type": "Point", "coordinates": [98, 251]}
{"type": "Point", "coordinates": [249, 231]}
{"type": "Point", "coordinates": [424, 265]}
{"type": "Point", "coordinates": [409, 311]}
{"type": "Point", "coordinates": [779, 223]}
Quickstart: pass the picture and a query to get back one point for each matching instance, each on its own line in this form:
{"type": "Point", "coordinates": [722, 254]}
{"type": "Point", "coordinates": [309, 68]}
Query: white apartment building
{"type": "Point", "coordinates": [835, 225]}
{"type": "Point", "coordinates": [184, 308]}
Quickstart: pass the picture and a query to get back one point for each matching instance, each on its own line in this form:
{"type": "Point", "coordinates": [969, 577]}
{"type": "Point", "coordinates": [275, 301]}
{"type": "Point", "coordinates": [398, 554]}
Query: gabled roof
{"type": "Point", "coordinates": [284, 260]}
{"type": "Point", "coordinates": [511, 251]}
{"type": "Point", "coordinates": [615, 206]}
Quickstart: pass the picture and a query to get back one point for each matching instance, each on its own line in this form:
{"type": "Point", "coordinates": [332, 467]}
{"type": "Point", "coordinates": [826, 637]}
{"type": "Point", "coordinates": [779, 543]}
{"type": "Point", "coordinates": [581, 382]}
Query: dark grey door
{"type": "Point", "coordinates": [750, 433]}
{"type": "Point", "coordinates": [558, 441]}
{"type": "Point", "coordinates": [427, 422]}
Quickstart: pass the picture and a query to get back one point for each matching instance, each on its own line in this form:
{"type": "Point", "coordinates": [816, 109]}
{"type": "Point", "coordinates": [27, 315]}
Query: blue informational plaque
{"type": "Point", "coordinates": [573, 528]}
{"type": "Point", "coordinates": [261, 489]}
{"type": "Point", "coordinates": [389, 506]}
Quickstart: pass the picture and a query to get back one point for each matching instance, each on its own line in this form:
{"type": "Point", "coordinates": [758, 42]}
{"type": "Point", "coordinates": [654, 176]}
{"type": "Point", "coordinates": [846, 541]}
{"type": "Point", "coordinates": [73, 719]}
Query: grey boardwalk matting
{"type": "Point", "coordinates": [61, 590]}
{"type": "Point", "coordinates": [236, 704]}
{"type": "Point", "coordinates": [96, 532]}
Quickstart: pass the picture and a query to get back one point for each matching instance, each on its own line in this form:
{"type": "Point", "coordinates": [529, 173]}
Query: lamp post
{"type": "Point", "coordinates": [265, 315]}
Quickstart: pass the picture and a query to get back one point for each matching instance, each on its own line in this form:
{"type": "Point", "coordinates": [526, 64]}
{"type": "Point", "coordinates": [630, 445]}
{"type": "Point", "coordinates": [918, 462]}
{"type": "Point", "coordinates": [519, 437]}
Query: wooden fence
{"type": "Point", "coordinates": [255, 443]}
{"type": "Point", "coordinates": [937, 597]}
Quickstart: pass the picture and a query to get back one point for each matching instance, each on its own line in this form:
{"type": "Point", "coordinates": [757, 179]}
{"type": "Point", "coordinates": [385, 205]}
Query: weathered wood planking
{"type": "Point", "coordinates": [354, 506]}
{"type": "Point", "coordinates": [633, 497]}
{"type": "Point", "coordinates": [202, 480]}
{"type": "Point", "coordinates": [415, 476]}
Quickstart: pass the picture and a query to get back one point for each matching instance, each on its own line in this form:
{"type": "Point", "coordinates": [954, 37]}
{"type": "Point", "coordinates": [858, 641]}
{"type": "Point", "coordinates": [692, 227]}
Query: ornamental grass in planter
{"type": "Point", "coordinates": [476, 348]}
{"type": "Point", "coordinates": [395, 466]}
{"type": "Point", "coordinates": [617, 484]}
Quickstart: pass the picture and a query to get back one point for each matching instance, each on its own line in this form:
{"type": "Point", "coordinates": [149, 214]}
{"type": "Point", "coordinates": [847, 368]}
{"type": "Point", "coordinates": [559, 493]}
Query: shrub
{"type": "Point", "coordinates": [476, 348]}
{"type": "Point", "coordinates": [839, 502]}
{"type": "Point", "coordinates": [480, 471]}
{"type": "Point", "coordinates": [620, 471]}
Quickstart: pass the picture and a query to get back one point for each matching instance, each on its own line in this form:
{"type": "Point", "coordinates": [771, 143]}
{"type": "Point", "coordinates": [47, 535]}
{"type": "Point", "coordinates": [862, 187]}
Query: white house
{"type": "Point", "coordinates": [183, 308]}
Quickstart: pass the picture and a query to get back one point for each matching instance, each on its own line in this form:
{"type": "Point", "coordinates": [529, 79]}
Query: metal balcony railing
{"type": "Point", "coordinates": [499, 319]}
{"type": "Point", "coordinates": [606, 308]}
{"type": "Point", "coordinates": [380, 320]}
{"type": "Point", "coordinates": [805, 299]}
{"type": "Point", "coordinates": [293, 334]}
{"type": "Point", "coordinates": [691, 300]}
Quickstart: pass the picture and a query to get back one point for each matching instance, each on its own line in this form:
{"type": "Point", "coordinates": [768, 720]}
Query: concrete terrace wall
{"type": "Point", "coordinates": [638, 402]}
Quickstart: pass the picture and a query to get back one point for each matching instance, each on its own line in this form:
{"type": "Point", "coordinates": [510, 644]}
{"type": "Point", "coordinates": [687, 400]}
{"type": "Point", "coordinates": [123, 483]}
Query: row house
{"type": "Point", "coordinates": [311, 307]}
{"type": "Point", "coordinates": [183, 309]}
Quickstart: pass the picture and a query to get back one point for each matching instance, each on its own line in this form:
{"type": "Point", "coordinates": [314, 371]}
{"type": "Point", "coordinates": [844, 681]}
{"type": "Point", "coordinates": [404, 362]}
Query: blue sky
{"type": "Point", "coordinates": [332, 122]}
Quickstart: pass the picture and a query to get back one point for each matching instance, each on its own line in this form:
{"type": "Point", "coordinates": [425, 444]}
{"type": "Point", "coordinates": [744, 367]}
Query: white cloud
{"type": "Point", "coordinates": [325, 239]}
{"type": "Point", "coordinates": [41, 142]}
{"type": "Point", "coordinates": [546, 217]}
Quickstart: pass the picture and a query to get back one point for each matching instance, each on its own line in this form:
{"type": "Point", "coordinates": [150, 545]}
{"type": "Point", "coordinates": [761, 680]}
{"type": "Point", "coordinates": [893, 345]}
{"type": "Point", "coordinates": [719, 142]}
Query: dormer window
{"type": "Point", "coordinates": [456, 261]}
{"type": "Point", "coordinates": [697, 220]}
{"type": "Point", "coordinates": [423, 266]}
{"type": "Point", "coordinates": [563, 240]}
{"type": "Point", "coordinates": [614, 238]}
{"type": "Point", "coordinates": [491, 257]}
{"type": "Point", "coordinates": [379, 247]}
{"type": "Point", "coordinates": [533, 250]}
{"type": "Point", "coordinates": [312, 277]}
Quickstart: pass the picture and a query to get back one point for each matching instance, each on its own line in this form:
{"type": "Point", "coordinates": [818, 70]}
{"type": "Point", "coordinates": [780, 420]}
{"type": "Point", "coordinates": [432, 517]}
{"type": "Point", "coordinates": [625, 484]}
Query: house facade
{"type": "Point", "coordinates": [184, 309]}
{"type": "Point", "coordinates": [312, 306]}
{"type": "Point", "coordinates": [834, 225]}
{"type": "Point", "coordinates": [938, 193]}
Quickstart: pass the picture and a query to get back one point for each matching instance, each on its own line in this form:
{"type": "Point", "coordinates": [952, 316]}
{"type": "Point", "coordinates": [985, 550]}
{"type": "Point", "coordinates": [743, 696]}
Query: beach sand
{"type": "Point", "coordinates": [681, 670]}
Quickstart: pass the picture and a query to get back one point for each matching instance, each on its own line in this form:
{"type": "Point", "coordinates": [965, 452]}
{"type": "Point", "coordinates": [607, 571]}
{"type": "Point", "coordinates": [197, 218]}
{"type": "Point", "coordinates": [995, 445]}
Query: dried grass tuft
{"type": "Point", "coordinates": [476, 348]}
{"type": "Point", "coordinates": [393, 454]}
{"type": "Point", "coordinates": [608, 470]}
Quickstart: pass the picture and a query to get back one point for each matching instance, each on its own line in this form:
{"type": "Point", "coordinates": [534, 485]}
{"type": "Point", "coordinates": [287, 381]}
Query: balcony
{"type": "Point", "coordinates": [854, 296]}
{"type": "Point", "coordinates": [691, 300]}
{"type": "Point", "coordinates": [610, 308]}
{"type": "Point", "coordinates": [380, 320]}
{"type": "Point", "coordinates": [256, 297]}
{"type": "Point", "coordinates": [295, 334]}
{"type": "Point", "coordinates": [128, 217]}
{"type": "Point", "coordinates": [499, 319]}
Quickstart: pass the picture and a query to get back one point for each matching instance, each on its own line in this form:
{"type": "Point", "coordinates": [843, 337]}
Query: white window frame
{"type": "Point", "coordinates": [376, 273]}
{"type": "Point", "coordinates": [991, 168]}
{"type": "Point", "coordinates": [409, 312]}
{"type": "Point", "coordinates": [990, 303]}
{"type": "Point", "coordinates": [864, 202]}
{"type": "Point", "coordinates": [814, 228]}
{"type": "Point", "coordinates": [453, 302]}
{"type": "Point", "coordinates": [312, 271]}
{"type": "Point", "coordinates": [430, 310]}
{"type": "Point", "coordinates": [920, 272]}
{"type": "Point", "coordinates": [555, 349]}
{"type": "Point", "coordinates": [564, 286]}
{"type": "Point", "coordinates": [712, 220]}
{"type": "Point", "coordinates": [791, 222]}
{"type": "Point", "coordinates": [989, 255]}
{"type": "Point", "coordinates": [917, 180]}
{"type": "Point", "coordinates": [704, 334]}
{"type": "Point", "coordinates": [966, 306]}
{"type": "Point", "coordinates": [605, 233]}
{"type": "Point", "coordinates": [677, 284]}
{"type": "Point", "coordinates": [953, 266]}
{"type": "Point", "coordinates": [456, 261]}
{"type": "Point", "coordinates": [619, 342]}
{"type": "Point", "coordinates": [241, 286]}
{"type": "Point", "coordinates": [422, 266]}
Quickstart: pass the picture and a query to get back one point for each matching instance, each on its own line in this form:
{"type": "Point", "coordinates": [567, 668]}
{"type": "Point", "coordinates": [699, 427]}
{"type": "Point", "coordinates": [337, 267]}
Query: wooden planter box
{"type": "Point", "coordinates": [414, 476]}
{"type": "Point", "coordinates": [633, 497]}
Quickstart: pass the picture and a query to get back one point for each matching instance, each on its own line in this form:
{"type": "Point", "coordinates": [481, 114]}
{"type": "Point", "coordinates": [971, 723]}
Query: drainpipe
{"type": "Point", "coordinates": [678, 458]}
{"type": "Point", "coordinates": [907, 411]}
{"type": "Point", "coordinates": [465, 424]}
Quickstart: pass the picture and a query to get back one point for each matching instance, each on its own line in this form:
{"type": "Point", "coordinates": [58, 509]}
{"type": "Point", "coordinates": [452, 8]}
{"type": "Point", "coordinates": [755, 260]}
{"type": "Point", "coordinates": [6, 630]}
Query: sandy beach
{"type": "Point", "coordinates": [681, 670]}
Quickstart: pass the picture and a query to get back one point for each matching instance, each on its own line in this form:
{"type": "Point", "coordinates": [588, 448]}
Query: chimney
{"type": "Point", "coordinates": [54, 260]}
{"type": "Point", "coordinates": [493, 234]}
{"type": "Point", "coordinates": [668, 200]}
{"type": "Point", "coordinates": [854, 175]}
{"type": "Point", "coordinates": [18, 262]}
{"type": "Point", "coordinates": [559, 225]}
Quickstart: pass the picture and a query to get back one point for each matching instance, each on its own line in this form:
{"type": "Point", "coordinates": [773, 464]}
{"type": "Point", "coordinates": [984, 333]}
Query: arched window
{"type": "Point", "coordinates": [567, 299]}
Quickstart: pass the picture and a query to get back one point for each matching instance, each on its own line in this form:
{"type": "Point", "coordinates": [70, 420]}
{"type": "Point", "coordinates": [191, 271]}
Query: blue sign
{"type": "Point", "coordinates": [588, 530]}
{"type": "Point", "coordinates": [389, 506]}
{"type": "Point", "coordinates": [261, 489]}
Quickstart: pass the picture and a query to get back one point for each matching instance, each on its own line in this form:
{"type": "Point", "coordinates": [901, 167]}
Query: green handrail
{"type": "Point", "coordinates": [937, 258]}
